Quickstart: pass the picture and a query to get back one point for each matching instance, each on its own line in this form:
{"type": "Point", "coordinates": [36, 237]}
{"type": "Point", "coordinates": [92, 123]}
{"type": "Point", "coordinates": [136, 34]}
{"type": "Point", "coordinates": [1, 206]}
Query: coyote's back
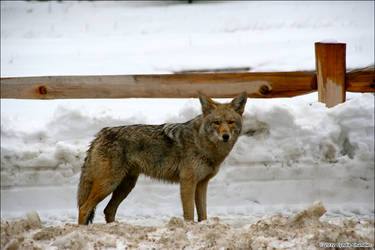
{"type": "Point", "coordinates": [188, 153]}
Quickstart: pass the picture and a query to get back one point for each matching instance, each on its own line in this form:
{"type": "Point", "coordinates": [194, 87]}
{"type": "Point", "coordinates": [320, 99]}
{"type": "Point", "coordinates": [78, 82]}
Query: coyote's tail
{"type": "Point", "coordinates": [84, 188]}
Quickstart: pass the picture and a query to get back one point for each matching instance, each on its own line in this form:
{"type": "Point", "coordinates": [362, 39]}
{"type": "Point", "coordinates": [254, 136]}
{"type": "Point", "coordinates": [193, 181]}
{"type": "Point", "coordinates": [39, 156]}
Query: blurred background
{"type": "Point", "coordinates": [147, 37]}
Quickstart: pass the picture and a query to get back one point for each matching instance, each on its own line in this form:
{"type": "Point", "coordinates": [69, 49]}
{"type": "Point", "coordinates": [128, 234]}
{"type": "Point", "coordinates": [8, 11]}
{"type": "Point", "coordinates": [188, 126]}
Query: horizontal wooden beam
{"type": "Point", "coordinates": [220, 85]}
{"type": "Point", "coordinates": [257, 85]}
{"type": "Point", "coordinates": [362, 80]}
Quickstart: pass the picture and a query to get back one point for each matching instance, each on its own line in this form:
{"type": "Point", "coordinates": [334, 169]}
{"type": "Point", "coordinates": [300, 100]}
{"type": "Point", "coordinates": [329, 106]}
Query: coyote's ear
{"type": "Point", "coordinates": [238, 103]}
{"type": "Point", "coordinates": [207, 103]}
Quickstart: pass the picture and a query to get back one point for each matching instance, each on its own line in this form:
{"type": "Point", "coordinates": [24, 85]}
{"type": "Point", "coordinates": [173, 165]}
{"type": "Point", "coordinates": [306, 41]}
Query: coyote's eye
{"type": "Point", "coordinates": [216, 122]}
{"type": "Point", "coordinates": [230, 122]}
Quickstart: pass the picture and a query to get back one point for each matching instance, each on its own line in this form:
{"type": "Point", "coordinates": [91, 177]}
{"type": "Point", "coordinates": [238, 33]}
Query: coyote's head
{"type": "Point", "coordinates": [222, 122]}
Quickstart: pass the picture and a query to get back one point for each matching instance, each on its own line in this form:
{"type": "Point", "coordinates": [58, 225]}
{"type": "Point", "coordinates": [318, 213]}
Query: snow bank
{"type": "Point", "coordinates": [283, 135]}
{"type": "Point", "coordinates": [292, 151]}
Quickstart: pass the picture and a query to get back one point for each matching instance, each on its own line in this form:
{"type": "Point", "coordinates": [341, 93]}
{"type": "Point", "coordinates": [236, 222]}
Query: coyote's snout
{"type": "Point", "coordinates": [188, 153]}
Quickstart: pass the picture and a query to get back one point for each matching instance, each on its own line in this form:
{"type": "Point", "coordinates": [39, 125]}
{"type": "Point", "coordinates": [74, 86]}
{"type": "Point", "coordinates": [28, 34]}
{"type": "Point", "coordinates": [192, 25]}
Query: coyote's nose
{"type": "Point", "coordinates": [225, 137]}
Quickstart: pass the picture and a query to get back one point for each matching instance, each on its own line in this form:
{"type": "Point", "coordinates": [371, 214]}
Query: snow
{"type": "Point", "coordinates": [61, 38]}
{"type": "Point", "coordinates": [293, 152]}
{"type": "Point", "coordinates": [304, 230]}
{"type": "Point", "coordinates": [302, 149]}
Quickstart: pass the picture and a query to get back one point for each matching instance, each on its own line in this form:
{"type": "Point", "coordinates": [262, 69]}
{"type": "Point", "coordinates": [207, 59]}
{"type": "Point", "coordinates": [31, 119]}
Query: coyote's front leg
{"type": "Point", "coordinates": [201, 198]}
{"type": "Point", "coordinates": [187, 190]}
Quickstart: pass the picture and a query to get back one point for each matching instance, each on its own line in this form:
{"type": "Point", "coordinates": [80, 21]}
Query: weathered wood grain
{"type": "Point", "coordinates": [220, 85]}
{"type": "Point", "coordinates": [257, 85]}
{"type": "Point", "coordinates": [330, 61]}
{"type": "Point", "coordinates": [362, 80]}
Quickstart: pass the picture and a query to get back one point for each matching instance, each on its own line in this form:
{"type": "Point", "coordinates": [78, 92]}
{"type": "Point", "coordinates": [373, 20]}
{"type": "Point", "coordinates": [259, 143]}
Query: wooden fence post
{"type": "Point", "coordinates": [330, 72]}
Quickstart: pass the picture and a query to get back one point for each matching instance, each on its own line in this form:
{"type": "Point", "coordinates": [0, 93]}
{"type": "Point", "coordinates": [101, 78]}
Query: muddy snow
{"type": "Point", "coordinates": [305, 230]}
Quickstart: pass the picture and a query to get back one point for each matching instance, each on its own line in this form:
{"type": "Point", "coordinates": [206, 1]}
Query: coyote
{"type": "Point", "coordinates": [188, 153]}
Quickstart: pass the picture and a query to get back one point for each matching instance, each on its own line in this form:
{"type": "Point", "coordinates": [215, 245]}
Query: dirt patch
{"type": "Point", "coordinates": [305, 230]}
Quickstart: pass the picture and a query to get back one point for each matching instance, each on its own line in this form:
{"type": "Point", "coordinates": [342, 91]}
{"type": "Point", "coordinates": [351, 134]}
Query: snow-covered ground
{"type": "Point", "coordinates": [294, 151]}
{"type": "Point", "coordinates": [59, 38]}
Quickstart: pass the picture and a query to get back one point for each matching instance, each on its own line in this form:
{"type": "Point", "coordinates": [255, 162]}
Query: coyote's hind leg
{"type": "Point", "coordinates": [120, 193]}
{"type": "Point", "coordinates": [104, 183]}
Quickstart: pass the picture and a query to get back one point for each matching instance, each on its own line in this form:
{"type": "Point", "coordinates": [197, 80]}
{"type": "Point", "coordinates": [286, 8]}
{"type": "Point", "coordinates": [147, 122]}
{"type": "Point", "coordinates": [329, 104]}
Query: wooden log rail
{"type": "Point", "coordinates": [331, 80]}
{"type": "Point", "coordinates": [277, 84]}
{"type": "Point", "coordinates": [220, 85]}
